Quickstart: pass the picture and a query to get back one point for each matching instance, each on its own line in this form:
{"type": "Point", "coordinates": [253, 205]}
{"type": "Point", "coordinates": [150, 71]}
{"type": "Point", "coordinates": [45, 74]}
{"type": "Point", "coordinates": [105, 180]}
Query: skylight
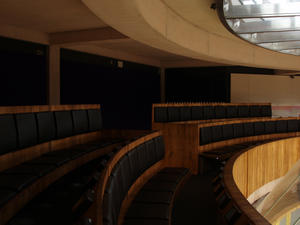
{"type": "Point", "coordinates": [271, 24]}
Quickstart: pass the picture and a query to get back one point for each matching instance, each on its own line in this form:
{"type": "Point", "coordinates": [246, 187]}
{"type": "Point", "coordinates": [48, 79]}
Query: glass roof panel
{"type": "Point", "coordinates": [268, 23]}
{"type": "Point", "coordinates": [277, 24]}
{"type": "Point", "coordinates": [267, 37]}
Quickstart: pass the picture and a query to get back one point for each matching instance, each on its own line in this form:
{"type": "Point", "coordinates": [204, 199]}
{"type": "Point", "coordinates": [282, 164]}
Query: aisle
{"type": "Point", "coordinates": [195, 204]}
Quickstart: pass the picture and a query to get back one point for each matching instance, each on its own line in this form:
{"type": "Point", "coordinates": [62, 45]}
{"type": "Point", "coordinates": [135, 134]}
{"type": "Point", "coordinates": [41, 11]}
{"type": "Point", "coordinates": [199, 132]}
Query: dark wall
{"type": "Point", "coordinates": [197, 85]}
{"type": "Point", "coordinates": [204, 84]}
{"type": "Point", "coordinates": [125, 94]}
{"type": "Point", "coordinates": [23, 72]}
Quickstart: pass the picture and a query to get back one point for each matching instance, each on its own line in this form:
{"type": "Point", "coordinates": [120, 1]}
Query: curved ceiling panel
{"type": "Point", "coordinates": [188, 28]}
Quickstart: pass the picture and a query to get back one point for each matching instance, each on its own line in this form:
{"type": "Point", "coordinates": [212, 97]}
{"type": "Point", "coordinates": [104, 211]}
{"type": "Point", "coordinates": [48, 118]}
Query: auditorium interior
{"type": "Point", "coordinates": [161, 112]}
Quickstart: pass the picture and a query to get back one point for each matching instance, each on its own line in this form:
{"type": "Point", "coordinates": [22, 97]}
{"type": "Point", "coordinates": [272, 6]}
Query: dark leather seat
{"type": "Point", "coordinates": [80, 121]}
{"type": "Point", "coordinates": [161, 114]}
{"type": "Point", "coordinates": [27, 129]}
{"type": "Point", "coordinates": [148, 211]}
{"type": "Point", "coordinates": [259, 128]}
{"type": "Point", "coordinates": [248, 129]}
{"type": "Point", "coordinates": [48, 160]}
{"type": "Point", "coordinates": [209, 112]}
{"type": "Point", "coordinates": [266, 111]}
{"type": "Point", "coordinates": [8, 134]}
{"type": "Point", "coordinates": [281, 126]}
{"type": "Point", "coordinates": [255, 111]}
{"type": "Point", "coordinates": [35, 169]}
{"type": "Point", "coordinates": [155, 199]}
{"type": "Point", "coordinates": [16, 182]}
{"type": "Point", "coordinates": [205, 135]}
{"type": "Point", "coordinates": [292, 125]}
{"type": "Point", "coordinates": [46, 126]}
{"type": "Point", "coordinates": [197, 113]}
{"type": "Point", "coordinates": [270, 127]}
{"type": "Point", "coordinates": [6, 195]}
{"type": "Point", "coordinates": [145, 222]}
{"type": "Point", "coordinates": [68, 153]}
{"type": "Point", "coordinates": [95, 119]}
{"type": "Point", "coordinates": [243, 111]}
{"type": "Point", "coordinates": [173, 114]}
{"type": "Point", "coordinates": [231, 111]}
{"type": "Point", "coordinates": [220, 112]}
{"type": "Point", "coordinates": [153, 185]}
{"type": "Point", "coordinates": [238, 130]}
{"type": "Point", "coordinates": [164, 197]}
{"type": "Point", "coordinates": [228, 131]}
{"type": "Point", "coordinates": [64, 125]}
{"type": "Point", "coordinates": [185, 113]}
{"type": "Point", "coordinates": [217, 133]}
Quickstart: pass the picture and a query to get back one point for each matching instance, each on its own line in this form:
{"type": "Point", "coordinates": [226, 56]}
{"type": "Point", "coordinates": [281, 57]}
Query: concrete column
{"type": "Point", "coordinates": [162, 85]}
{"type": "Point", "coordinates": [54, 75]}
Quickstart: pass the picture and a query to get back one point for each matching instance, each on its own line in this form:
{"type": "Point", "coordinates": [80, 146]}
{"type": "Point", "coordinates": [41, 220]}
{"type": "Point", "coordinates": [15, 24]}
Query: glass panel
{"type": "Point", "coordinates": [291, 51]}
{"type": "Point", "coordinates": [272, 36]}
{"type": "Point", "coordinates": [266, 21]}
{"type": "Point", "coordinates": [278, 46]}
{"type": "Point", "coordinates": [252, 10]}
{"type": "Point", "coordinates": [275, 25]}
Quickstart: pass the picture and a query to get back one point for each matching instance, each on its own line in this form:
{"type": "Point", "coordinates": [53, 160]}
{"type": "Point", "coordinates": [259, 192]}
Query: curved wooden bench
{"type": "Point", "coordinates": [252, 168]}
{"type": "Point", "coordinates": [130, 170]}
{"type": "Point", "coordinates": [31, 141]}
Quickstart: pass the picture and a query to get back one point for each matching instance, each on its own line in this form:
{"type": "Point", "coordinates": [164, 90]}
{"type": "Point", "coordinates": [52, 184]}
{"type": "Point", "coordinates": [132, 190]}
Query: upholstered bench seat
{"type": "Point", "coordinates": [45, 160]}
{"type": "Point", "coordinates": [35, 169]}
{"type": "Point", "coordinates": [154, 201]}
{"type": "Point", "coordinates": [16, 182]}
{"type": "Point", "coordinates": [6, 195]}
{"type": "Point", "coordinates": [55, 204]}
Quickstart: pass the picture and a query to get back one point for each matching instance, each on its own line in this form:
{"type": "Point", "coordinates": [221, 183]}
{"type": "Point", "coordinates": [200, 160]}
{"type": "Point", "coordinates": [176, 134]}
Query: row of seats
{"type": "Point", "coordinates": [153, 204]}
{"type": "Point", "coordinates": [18, 131]}
{"type": "Point", "coordinates": [125, 172]}
{"type": "Point", "coordinates": [212, 134]}
{"type": "Point", "coordinates": [187, 113]}
{"type": "Point", "coordinates": [18, 178]}
{"type": "Point", "coordinates": [231, 214]}
{"type": "Point", "coordinates": [66, 200]}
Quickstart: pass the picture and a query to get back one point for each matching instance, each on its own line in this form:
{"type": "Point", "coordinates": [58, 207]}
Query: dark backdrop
{"type": "Point", "coordinates": [204, 84]}
{"type": "Point", "coordinates": [23, 76]}
{"type": "Point", "coordinates": [125, 94]}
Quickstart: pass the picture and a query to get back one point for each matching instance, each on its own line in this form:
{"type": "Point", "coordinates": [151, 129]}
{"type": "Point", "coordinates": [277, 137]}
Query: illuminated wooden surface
{"type": "Point", "coordinates": [251, 169]}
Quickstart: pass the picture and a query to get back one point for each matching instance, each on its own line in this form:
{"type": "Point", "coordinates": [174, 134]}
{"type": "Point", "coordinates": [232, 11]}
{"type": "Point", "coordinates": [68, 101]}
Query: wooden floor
{"type": "Point", "coordinates": [196, 203]}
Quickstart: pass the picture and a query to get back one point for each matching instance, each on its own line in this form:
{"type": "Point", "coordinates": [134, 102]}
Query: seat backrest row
{"type": "Point", "coordinates": [187, 113]}
{"type": "Point", "coordinates": [210, 134]}
{"type": "Point", "coordinates": [125, 172]}
{"type": "Point", "coordinates": [18, 131]}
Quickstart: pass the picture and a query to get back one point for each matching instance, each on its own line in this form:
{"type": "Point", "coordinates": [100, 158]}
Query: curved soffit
{"type": "Point", "coordinates": [190, 29]}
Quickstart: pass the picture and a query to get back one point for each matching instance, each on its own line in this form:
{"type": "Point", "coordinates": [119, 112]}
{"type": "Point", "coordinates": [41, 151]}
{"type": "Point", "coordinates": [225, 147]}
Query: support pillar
{"type": "Point", "coordinates": [54, 75]}
{"type": "Point", "coordinates": [162, 85]}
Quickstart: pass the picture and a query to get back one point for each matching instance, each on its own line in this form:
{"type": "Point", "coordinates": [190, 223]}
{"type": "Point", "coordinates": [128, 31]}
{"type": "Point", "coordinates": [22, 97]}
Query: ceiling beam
{"type": "Point", "coordinates": [84, 36]}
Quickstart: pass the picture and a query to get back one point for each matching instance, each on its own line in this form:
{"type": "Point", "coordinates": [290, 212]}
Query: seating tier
{"type": "Point", "coordinates": [163, 113]}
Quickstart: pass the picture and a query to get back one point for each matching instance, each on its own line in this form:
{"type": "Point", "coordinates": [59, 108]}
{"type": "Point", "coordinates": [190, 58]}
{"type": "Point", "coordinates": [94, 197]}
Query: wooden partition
{"type": "Point", "coordinates": [251, 169]}
{"type": "Point", "coordinates": [183, 143]}
{"type": "Point", "coordinates": [135, 187]}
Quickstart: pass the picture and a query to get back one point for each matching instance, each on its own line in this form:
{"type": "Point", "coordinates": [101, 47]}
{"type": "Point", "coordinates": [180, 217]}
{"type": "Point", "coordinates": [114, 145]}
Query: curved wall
{"type": "Point", "coordinates": [188, 28]}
